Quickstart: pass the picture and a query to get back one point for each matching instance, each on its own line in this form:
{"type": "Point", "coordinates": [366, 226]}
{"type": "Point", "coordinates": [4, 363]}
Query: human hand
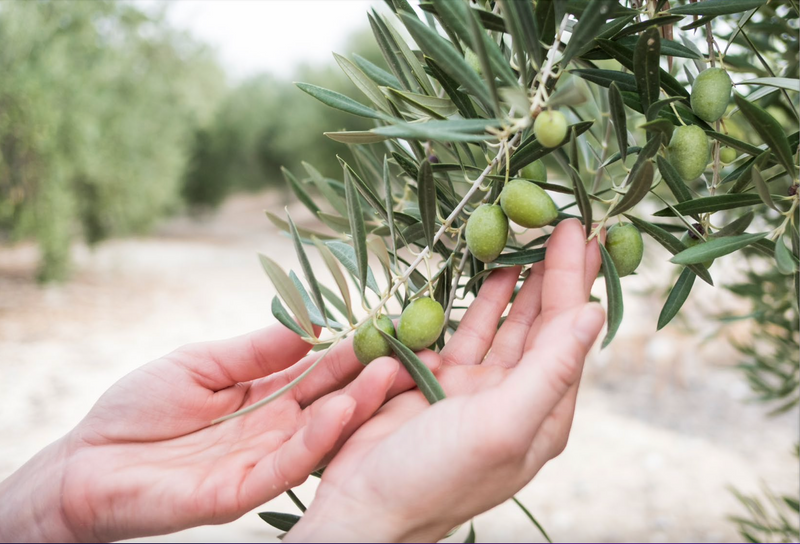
{"type": "Point", "coordinates": [414, 471]}
{"type": "Point", "coordinates": [145, 460]}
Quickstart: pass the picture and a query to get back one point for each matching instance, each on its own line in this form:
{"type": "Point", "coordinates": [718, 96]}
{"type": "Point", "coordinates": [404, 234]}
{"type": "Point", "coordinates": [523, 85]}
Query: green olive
{"type": "Point", "coordinates": [550, 128]}
{"type": "Point", "coordinates": [690, 241]}
{"type": "Point", "coordinates": [369, 343]}
{"type": "Point", "coordinates": [527, 204]}
{"type": "Point", "coordinates": [625, 246]}
{"type": "Point", "coordinates": [711, 93]}
{"type": "Point", "coordinates": [535, 171]}
{"type": "Point", "coordinates": [473, 61]}
{"type": "Point", "coordinates": [487, 232]}
{"type": "Point", "coordinates": [420, 324]}
{"type": "Point", "coordinates": [727, 155]}
{"type": "Point", "coordinates": [688, 151]}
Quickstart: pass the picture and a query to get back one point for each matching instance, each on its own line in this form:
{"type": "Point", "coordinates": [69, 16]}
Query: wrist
{"type": "Point", "coordinates": [31, 507]}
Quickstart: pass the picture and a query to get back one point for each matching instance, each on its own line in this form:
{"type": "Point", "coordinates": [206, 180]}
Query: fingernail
{"type": "Point", "coordinates": [588, 323]}
{"type": "Point", "coordinates": [348, 414]}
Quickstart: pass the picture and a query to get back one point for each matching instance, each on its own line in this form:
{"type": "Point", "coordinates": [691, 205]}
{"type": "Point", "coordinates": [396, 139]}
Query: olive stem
{"type": "Point", "coordinates": [459, 271]}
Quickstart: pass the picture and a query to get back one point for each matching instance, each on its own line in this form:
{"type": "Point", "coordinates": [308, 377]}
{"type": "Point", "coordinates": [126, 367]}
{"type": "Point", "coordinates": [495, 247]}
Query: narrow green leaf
{"type": "Point", "coordinates": [589, 23]}
{"type": "Point", "coordinates": [433, 106]}
{"type": "Point", "coordinates": [325, 189]}
{"type": "Point", "coordinates": [770, 131]}
{"type": "Point", "coordinates": [521, 23]}
{"type": "Point", "coordinates": [638, 189]}
{"type": "Point", "coordinates": [657, 21]}
{"type": "Point", "coordinates": [341, 102]}
{"type": "Point", "coordinates": [313, 312]}
{"type": "Point", "coordinates": [524, 256]}
{"type": "Point", "coordinates": [450, 86]}
{"type": "Point", "coordinates": [305, 233]}
{"type": "Point", "coordinates": [661, 126]}
{"type": "Point", "coordinates": [364, 83]}
{"type": "Point", "coordinates": [619, 119]}
{"type": "Point", "coordinates": [410, 58]}
{"type": "Point", "coordinates": [357, 230]}
{"type": "Point", "coordinates": [788, 83]}
{"type": "Point", "coordinates": [715, 248]}
{"type": "Point", "coordinates": [338, 276]}
{"type": "Point", "coordinates": [545, 13]}
{"type": "Point", "coordinates": [387, 188]}
{"type": "Point", "coordinates": [426, 194]}
{"type": "Point", "coordinates": [581, 199]}
{"type": "Point", "coordinates": [763, 189]}
{"type": "Point", "coordinates": [624, 55]}
{"type": "Point", "coordinates": [716, 7]}
{"type": "Point", "coordinates": [347, 256]}
{"type": "Point", "coordinates": [604, 78]}
{"type": "Point", "coordinates": [669, 48]}
{"type": "Point", "coordinates": [451, 60]}
{"type": "Point", "coordinates": [308, 271]}
{"type": "Point", "coordinates": [279, 520]}
{"type": "Point", "coordinates": [646, 58]}
{"type": "Point", "coordinates": [363, 188]}
{"type": "Point", "coordinates": [283, 317]}
{"type": "Point", "coordinates": [677, 296]}
{"type": "Point", "coordinates": [655, 107]}
{"type": "Point", "coordinates": [711, 204]}
{"type": "Point", "coordinates": [422, 375]}
{"type": "Point", "coordinates": [745, 172]}
{"type": "Point", "coordinates": [737, 226]}
{"type": "Point", "coordinates": [288, 292]}
{"type": "Point", "coordinates": [671, 244]}
{"type": "Point", "coordinates": [299, 191]}
{"type": "Point", "coordinates": [479, 47]}
{"type": "Point", "coordinates": [614, 295]}
{"type": "Point", "coordinates": [471, 535]}
{"type": "Point", "coordinates": [357, 137]}
{"type": "Point", "coordinates": [787, 264]}
{"type": "Point", "coordinates": [734, 143]}
{"type": "Point", "coordinates": [421, 131]}
{"type": "Point", "coordinates": [376, 73]}
{"type": "Point", "coordinates": [533, 519]}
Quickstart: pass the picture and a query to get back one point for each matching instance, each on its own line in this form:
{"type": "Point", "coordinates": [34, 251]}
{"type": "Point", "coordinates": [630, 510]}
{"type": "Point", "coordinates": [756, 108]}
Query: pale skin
{"type": "Point", "coordinates": [146, 461]}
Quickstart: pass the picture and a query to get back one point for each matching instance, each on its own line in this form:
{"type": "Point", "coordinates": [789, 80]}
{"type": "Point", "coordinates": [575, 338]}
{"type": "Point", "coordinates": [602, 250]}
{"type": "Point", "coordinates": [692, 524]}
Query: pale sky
{"type": "Point", "coordinates": [253, 36]}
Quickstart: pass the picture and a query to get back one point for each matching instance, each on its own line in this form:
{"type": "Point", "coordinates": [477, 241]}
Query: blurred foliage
{"type": "Point", "coordinates": [98, 101]}
{"type": "Point", "coordinates": [774, 519]}
{"type": "Point", "coordinates": [264, 124]}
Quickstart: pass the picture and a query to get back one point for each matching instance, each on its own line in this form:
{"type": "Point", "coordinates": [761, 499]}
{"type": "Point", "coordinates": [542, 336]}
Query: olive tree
{"type": "Point", "coordinates": [676, 121]}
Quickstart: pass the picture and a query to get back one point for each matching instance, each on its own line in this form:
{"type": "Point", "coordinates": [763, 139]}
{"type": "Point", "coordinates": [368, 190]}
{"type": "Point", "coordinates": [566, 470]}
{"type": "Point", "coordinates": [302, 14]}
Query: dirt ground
{"type": "Point", "coordinates": [663, 425]}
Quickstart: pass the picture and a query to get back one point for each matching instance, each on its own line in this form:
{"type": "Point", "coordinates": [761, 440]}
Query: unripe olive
{"type": "Point", "coordinates": [727, 155]}
{"type": "Point", "coordinates": [487, 232]}
{"type": "Point", "coordinates": [527, 204]}
{"type": "Point", "coordinates": [550, 128]}
{"type": "Point", "coordinates": [625, 246]}
{"type": "Point", "coordinates": [690, 240]}
{"type": "Point", "coordinates": [535, 171]}
{"type": "Point", "coordinates": [473, 61]}
{"type": "Point", "coordinates": [369, 344]}
{"type": "Point", "coordinates": [420, 324]}
{"type": "Point", "coordinates": [688, 151]}
{"type": "Point", "coordinates": [711, 93]}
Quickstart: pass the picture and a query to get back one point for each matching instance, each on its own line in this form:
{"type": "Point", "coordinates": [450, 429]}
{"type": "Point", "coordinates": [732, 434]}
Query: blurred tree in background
{"type": "Point", "coordinates": [98, 101]}
{"type": "Point", "coordinates": [264, 124]}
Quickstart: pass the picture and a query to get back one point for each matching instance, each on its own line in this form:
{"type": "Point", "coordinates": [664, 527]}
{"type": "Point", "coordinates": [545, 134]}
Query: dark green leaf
{"type": "Point", "coordinates": [357, 230]}
{"type": "Point", "coordinates": [745, 172]}
{"type": "Point", "coordinates": [533, 519]}
{"type": "Point", "coordinates": [669, 48]}
{"type": "Point", "coordinates": [717, 7]}
{"type": "Point", "coordinates": [422, 375]}
{"type": "Point", "coordinates": [677, 296]}
{"type": "Point", "coordinates": [715, 248]}
{"type": "Point", "coordinates": [711, 204]}
{"type": "Point", "coordinates": [737, 226]}
{"type": "Point", "coordinates": [770, 131]}
{"type": "Point", "coordinates": [388, 51]}
{"type": "Point", "coordinates": [590, 21]}
{"type": "Point", "coordinates": [619, 119]}
{"type": "Point", "coordinates": [624, 55]}
{"type": "Point", "coordinates": [298, 190]}
{"type": "Point", "coordinates": [734, 143]}
{"type": "Point", "coordinates": [671, 244]}
{"type": "Point", "coordinates": [341, 102]}
{"type": "Point", "coordinates": [283, 317]}
{"type": "Point", "coordinates": [288, 292]}
{"type": "Point", "coordinates": [639, 187]}
{"type": "Point", "coordinates": [787, 263]}
{"type": "Point", "coordinates": [545, 13]}
{"type": "Point", "coordinates": [573, 150]}
{"type": "Point", "coordinates": [424, 131]}
{"type": "Point", "coordinates": [659, 126]}
{"type": "Point", "coordinates": [279, 520]}
{"type": "Point", "coordinates": [698, 23]}
{"type": "Point", "coordinates": [363, 189]}
{"type": "Point", "coordinates": [763, 189]}
{"type": "Point", "coordinates": [646, 58]}
{"type": "Point", "coordinates": [581, 199]}
{"type": "Point", "coordinates": [376, 73]}
{"type": "Point", "coordinates": [531, 150]}
{"type": "Point", "coordinates": [604, 78]}
{"type": "Point", "coordinates": [524, 256]}
{"type": "Point", "coordinates": [655, 107]}
{"type": "Point", "coordinates": [471, 535]}
{"type": "Point", "coordinates": [521, 21]}
{"type": "Point", "coordinates": [308, 271]}
{"type": "Point", "coordinates": [426, 193]}
{"type": "Point", "coordinates": [658, 21]}
{"type": "Point", "coordinates": [450, 86]}
{"type": "Point", "coordinates": [451, 60]}
{"type": "Point", "coordinates": [614, 294]}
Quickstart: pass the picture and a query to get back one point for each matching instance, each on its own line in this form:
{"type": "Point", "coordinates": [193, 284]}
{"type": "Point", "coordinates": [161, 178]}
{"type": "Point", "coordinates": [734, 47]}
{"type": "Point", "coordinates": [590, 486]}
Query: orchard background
{"type": "Point", "coordinates": [667, 421]}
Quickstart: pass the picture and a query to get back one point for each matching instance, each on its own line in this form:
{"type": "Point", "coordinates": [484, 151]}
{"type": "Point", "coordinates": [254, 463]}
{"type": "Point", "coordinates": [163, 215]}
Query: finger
{"type": "Point", "coordinates": [223, 363]}
{"type": "Point", "coordinates": [291, 464]}
{"type": "Point", "coordinates": [564, 269]}
{"type": "Point", "coordinates": [404, 381]}
{"type": "Point", "coordinates": [546, 373]}
{"type": "Point", "coordinates": [592, 264]}
{"type": "Point", "coordinates": [339, 368]}
{"type": "Point", "coordinates": [509, 343]}
{"type": "Point", "coordinates": [472, 340]}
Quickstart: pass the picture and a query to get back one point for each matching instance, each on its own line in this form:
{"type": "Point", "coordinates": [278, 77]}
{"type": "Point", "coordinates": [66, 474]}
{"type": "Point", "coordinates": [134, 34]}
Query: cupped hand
{"type": "Point", "coordinates": [414, 471]}
{"type": "Point", "coordinates": [146, 460]}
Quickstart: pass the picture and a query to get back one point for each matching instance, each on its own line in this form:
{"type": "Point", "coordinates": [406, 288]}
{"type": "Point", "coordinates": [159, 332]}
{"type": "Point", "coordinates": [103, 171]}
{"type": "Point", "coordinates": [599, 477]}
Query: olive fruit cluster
{"type": "Point", "coordinates": [420, 325]}
{"type": "Point", "coordinates": [689, 150]}
{"type": "Point", "coordinates": [521, 201]}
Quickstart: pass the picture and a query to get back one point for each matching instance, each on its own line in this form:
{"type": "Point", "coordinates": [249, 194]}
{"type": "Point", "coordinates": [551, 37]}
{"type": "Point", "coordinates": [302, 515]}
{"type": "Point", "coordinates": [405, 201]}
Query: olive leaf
{"type": "Point", "coordinates": [279, 520]}
{"type": "Point", "coordinates": [716, 7]}
{"type": "Point", "coordinates": [711, 204]}
{"type": "Point", "coordinates": [358, 231]}
{"type": "Point", "coordinates": [770, 131]}
{"type": "Point", "coordinates": [426, 193]}
{"type": "Point", "coordinates": [338, 276]}
{"type": "Point", "coordinates": [364, 83]}
{"type": "Point", "coordinates": [581, 199]}
{"type": "Point", "coordinates": [762, 189]}
{"type": "Point", "coordinates": [288, 292]}
{"type": "Point", "coordinates": [646, 58]}
{"type": "Point", "coordinates": [283, 317]}
{"type": "Point", "coordinates": [715, 248]}
{"type": "Point", "coordinates": [299, 191]}
{"type": "Point", "coordinates": [341, 102]}
{"type": "Point", "coordinates": [376, 73]}
{"type": "Point", "coordinates": [677, 296]}
{"type": "Point", "coordinates": [422, 375]}
{"type": "Point", "coordinates": [589, 24]}
{"type": "Point", "coordinates": [308, 271]}
{"type": "Point", "coordinates": [614, 294]}
{"type": "Point", "coordinates": [639, 187]}
{"type": "Point", "coordinates": [618, 118]}
{"type": "Point", "coordinates": [786, 262]}
{"type": "Point", "coordinates": [524, 256]}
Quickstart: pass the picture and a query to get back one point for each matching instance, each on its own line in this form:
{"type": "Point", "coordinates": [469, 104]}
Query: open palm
{"type": "Point", "coordinates": [511, 398]}
{"type": "Point", "coordinates": [146, 461]}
